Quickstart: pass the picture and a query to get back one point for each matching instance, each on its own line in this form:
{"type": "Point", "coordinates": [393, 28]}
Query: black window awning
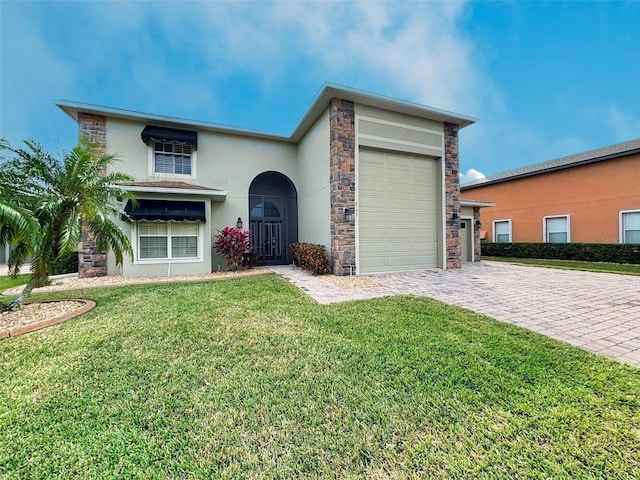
{"type": "Point", "coordinates": [151, 132]}
{"type": "Point", "coordinates": [166, 210]}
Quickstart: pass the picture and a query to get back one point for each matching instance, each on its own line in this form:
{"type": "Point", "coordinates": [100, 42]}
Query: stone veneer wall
{"type": "Point", "coordinates": [92, 262]}
{"type": "Point", "coordinates": [342, 171]}
{"type": "Point", "coordinates": [452, 195]}
{"type": "Point", "coordinates": [476, 234]}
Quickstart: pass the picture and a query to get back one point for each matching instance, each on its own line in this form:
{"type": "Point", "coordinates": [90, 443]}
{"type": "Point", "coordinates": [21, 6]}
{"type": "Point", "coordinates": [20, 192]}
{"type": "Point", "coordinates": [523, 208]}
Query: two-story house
{"type": "Point", "coordinates": [373, 179]}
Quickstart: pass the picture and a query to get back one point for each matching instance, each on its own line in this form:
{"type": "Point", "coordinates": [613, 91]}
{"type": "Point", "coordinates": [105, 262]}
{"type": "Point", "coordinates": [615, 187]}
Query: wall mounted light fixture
{"type": "Point", "coordinates": [239, 223]}
{"type": "Point", "coordinates": [348, 215]}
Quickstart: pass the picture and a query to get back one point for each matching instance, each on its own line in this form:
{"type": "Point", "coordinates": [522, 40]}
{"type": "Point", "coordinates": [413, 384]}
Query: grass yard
{"type": "Point", "coordinates": [8, 282]}
{"type": "Point", "coordinates": [622, 268]}
{"type": "Point", "coordinates": [249, 378]}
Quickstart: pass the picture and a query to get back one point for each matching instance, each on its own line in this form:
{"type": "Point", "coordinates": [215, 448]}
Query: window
{"type": "Point", "coordinates": [265, 209]}
{"type": "Point", "coordinates": [630, 226]}
{"type": "Point", "coordinates": [168, 240]}
{"type": "Point", "coordinates": [502, 231]}
{"type": "Point", "coordinates": [556, 229]}
{"type": "Point", "coordinates": [173, 158]}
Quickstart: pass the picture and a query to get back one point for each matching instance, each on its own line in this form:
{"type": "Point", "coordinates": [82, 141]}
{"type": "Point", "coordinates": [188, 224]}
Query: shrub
{"type": "Point", "coordinates": [66, 264]}
{"type": "Point", "coordinates": [233, 245]}
{"type": "Point", "coordinates": [310, 256]}
{"type": "Point", "coordinates": [586, 252]}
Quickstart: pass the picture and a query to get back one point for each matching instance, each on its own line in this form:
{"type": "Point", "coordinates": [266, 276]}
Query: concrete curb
{"type": "Point", "coordinates": [14, 332]}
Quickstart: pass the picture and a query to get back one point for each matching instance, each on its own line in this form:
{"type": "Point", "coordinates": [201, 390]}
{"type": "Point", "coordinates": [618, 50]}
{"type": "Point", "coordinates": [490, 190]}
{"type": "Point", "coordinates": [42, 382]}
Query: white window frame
{"type": "Point", "coordinates": [493, 231]}
{"type": "Point", "coordinates": [622, 231]}
{"type": "Point", "coordinates": [544, 227]}
{"type": "Point", "coordinates": [152, 164]}
{"type": "Point", "coordinates": [135, 243]}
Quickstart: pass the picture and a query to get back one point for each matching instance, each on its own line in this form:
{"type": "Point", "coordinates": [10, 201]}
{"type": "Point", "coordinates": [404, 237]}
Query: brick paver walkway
{"type": "Point", "coordinates": [599, 312]}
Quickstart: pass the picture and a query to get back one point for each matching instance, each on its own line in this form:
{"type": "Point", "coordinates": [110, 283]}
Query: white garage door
{"type": "Point", "coordinates": [397, 212]}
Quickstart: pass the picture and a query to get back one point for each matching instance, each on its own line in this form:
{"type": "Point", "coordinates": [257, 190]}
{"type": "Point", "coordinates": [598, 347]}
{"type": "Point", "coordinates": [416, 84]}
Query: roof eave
{"type": "Point", "coordinates": [330, 91]}
{"type": "Point", "coordinates": [555, 168]}
{"type": "Point", "coordinates": [318, 106]}
{"type": "Point", "coordinates": [475, 203]}
{"type": "Point", "coordinates": [72, 109]}
{"type": "Point", "coordinates": [217, 195]}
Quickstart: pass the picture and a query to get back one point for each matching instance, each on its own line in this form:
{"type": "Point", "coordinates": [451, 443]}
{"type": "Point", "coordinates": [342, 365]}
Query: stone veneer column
{"type": "Point", "coordinates": [477, 253]}
{"type": "Point", "coordinates": [92, 262]}
{"type": "Point", "coordinates": [452, 195]}
{"type": "Point", "coordinates": [342, 171]}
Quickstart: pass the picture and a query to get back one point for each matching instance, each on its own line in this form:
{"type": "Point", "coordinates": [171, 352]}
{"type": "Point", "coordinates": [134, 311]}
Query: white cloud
{"type": "Point", "coordinates": [623, 126]}
{"type": "Point", "coordinates": [415, 50]}
{"type": "Point", "coordinates": [183, 58]}
{"type": "Point", "coordinates": [471, 176]}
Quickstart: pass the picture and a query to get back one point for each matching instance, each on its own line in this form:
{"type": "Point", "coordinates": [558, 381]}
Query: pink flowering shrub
{"type": "Point", "coordinates": [233, 244]}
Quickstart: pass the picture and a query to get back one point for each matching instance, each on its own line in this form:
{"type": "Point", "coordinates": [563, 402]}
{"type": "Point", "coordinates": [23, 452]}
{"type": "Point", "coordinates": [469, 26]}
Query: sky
{"type": "Point", "coordinates": [544, 79]}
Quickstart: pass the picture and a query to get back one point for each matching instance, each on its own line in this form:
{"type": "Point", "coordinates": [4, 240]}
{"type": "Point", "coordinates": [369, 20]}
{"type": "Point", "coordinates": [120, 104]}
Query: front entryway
{"type": "Point", "coordinates": [466, 241]}
{"type": "Point", "coordinates": [273, 217]}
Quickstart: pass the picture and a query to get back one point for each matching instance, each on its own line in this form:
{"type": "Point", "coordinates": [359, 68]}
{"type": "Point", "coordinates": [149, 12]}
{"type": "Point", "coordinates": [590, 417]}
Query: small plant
{"type": "Point", "coordinates": [233, 245]}
{"type": "Point", "coordinates": [312, 257]}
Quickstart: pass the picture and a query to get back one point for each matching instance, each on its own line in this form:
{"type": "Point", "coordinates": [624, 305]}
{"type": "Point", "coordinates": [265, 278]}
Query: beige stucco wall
{"type": "Point", "coordinates": [222, 161]}
{"type": "Point", "coordinates": [395, 131]}
{"type": "Point", "coordinates": [466, 212]}
{"type": "Point", "coordinates": [314, 215]}
{"type": "Point", "coordinates": [155, 268]}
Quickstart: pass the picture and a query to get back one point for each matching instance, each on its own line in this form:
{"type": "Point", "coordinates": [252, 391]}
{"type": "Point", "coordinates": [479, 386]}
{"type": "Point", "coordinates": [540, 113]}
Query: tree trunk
{"type": "Point", "coordinates": [26, 291]}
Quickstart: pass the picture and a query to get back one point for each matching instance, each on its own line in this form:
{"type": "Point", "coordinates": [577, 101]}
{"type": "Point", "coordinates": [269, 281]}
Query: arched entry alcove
{"type": "Point", "coordinates": [273, 217]}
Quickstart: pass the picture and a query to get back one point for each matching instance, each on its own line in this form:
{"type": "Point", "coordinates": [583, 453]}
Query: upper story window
{"type": "Point", "coordinates": [556, 229]}
{"type": "Point", "coordinates": [172, 152]}
{"type": "Point", "coordinates": [502, 231]}
{"type": "Point", "coordinates": [630, 226]}
{"type": "Point", "coordinates": [172, 158]}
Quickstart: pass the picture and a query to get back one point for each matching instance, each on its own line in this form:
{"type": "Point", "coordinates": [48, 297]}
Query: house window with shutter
{"type": "Point", "coordinates": [172, 152]}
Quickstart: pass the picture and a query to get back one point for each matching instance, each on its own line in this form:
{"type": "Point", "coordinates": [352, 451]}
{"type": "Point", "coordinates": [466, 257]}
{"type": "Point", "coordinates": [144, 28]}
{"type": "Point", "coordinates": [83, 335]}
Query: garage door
{"type": "Point", "coordinates": [397, 212]}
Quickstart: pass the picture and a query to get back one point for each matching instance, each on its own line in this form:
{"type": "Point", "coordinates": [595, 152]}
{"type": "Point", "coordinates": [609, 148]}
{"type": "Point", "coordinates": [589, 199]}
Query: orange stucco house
{"type": "Point", "coordinates": [591, 197]}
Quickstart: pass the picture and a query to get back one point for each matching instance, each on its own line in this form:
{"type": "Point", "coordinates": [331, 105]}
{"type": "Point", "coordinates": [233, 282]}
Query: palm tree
{"type": "Point", "coordinates": [46, 201]}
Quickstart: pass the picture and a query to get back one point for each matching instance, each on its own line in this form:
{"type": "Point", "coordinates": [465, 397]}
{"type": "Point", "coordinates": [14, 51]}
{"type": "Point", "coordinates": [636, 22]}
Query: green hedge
{"type": "Point", "coordinates": [311, 257]}
{"type": "Point", "coordinates": [586, 252]}
{"type": "Point", "coordinates": [65, 264]}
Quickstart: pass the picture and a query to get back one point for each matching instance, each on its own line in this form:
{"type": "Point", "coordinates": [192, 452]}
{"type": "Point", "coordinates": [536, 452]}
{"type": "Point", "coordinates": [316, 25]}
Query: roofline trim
{"type": "Point", "coordinates": [333, 90]}
{"type": "Point", "coordinates": [221, 194]}
{"type": "Point", "coordinates": [475, 203]}
{"type": "Point", "coordinates": [319, 105]}
{"type": "Point", "coordinates": [553, 168]}
{"type": "Point", "coordinates": [72, 109]}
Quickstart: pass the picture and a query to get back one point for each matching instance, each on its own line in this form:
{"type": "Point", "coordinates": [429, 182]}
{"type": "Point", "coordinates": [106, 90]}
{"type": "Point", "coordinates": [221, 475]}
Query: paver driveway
{"type": "Point", "coordinates": [596, 311]}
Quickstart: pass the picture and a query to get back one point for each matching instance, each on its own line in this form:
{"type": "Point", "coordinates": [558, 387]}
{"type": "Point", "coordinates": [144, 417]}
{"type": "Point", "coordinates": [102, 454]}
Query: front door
{"type": "Point", "coordinates": [466, 240]}
{"type": "Point", "coordinates": [267, 240]}
{"type": "Point", "coordinates": [273, 217]}
{"type": "Point", "coordinates": [268, 222]}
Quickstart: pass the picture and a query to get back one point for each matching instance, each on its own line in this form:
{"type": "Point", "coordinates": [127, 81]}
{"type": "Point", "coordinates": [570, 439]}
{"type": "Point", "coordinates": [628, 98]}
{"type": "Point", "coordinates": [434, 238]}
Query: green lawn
{"type": "Point", "coordinates": [249, 378]}
{"type": "Point", "coordinates": [623, 268]}
{"type": "Point", "coordinates": [8, 282]}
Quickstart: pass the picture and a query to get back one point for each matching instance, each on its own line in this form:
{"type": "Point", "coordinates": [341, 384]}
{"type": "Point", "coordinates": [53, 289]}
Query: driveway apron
{"type": "Point", "coordinates": [599, 312]}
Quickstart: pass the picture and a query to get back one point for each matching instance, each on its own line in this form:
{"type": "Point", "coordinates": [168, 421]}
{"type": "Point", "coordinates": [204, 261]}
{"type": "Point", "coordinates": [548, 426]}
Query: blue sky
{"type": "Point", "coordinates": [544, 79]}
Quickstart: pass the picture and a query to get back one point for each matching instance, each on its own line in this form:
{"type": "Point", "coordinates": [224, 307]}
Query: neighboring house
{"type": "Point", "coordinates": [373, 179]}
{"type": "Point", "coordinates": [591, 197]}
